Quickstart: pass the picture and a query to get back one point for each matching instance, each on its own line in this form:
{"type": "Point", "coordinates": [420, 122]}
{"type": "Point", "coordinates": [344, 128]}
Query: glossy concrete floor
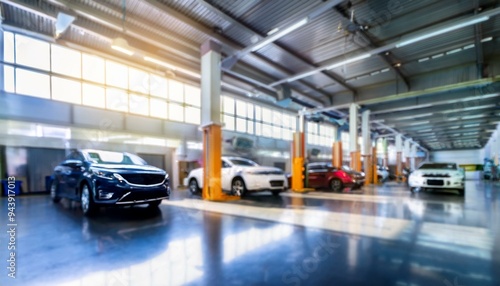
{"type": "Point", "coordinates": [379, 235]}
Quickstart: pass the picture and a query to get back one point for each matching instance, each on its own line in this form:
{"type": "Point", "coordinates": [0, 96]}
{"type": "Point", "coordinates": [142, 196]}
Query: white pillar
{"type": "Point", "coordinates": [413, 155]}
{"type": "Point", "coordinates": [365, 132]}
{"type": "Point", "coordinates": [399, 143]}
{"type": "Point", "coordinates": [406, 150]}
{"type": "Point", "coordinates": [210, 83]}
{"type": "Point", "coordinates": [353, 128]}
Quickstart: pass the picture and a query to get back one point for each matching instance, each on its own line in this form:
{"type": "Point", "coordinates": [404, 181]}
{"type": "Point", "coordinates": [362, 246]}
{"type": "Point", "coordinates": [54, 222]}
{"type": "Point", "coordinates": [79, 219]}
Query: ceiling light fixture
{"type": "Point", "coordinates": [442, 31]}
{"type": "Point", "coordinates": [486, 39]}
{"type": "Point", "coordinates": [278, 35]}
{"type": "Point", "coordinates": [348, 61]}
{"type": "Point", "coordinates": [454, 51]}
{"type": "Point", "coordinates": [273, 31]}
{"type": "Point", "coordinates": [121, 45]}
{"type": "Point", "coordinates": [172, 67]}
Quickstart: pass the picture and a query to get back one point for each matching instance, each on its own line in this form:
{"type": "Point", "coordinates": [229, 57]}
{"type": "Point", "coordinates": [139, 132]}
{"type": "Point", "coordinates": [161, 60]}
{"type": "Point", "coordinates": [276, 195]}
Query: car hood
{"type": "Point", "coordinates": [127, 168]}
{"type": "Point", "coordinates": [260, 170]}
{"type": "Point", "coordinates": [354, 173]}
{"type": "Point", "coordinates": [434, 171]}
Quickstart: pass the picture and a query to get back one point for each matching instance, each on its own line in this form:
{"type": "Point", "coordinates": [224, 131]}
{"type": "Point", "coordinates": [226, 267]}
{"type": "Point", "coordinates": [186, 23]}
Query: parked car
{"type": "Point", "coordinates": [102, 178]}
{"type": "Point", "coordinates": [382, 173]}
{"type": "Point", "coordinates": [324, 175]}
{"type": "Point", "coordinates": [240, 175]}
{"type": "Point", "coordinates": [444, 176]}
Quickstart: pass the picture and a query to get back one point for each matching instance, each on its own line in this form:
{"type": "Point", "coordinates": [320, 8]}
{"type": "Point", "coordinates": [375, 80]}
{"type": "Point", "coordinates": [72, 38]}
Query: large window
{"type": "Point", "coordinates": [32, 53]}
{"type": "Point", "coordinates": [32, 83]}
{"type": "Point", "coordinates": [36, 68]}
{"type": "Point", "coordinates": [66, 61]}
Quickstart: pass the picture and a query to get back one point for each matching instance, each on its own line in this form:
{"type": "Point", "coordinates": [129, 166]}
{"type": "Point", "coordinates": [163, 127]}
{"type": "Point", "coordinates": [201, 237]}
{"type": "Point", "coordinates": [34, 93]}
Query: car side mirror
{"type": "Point", "coordinates": [73, 163]}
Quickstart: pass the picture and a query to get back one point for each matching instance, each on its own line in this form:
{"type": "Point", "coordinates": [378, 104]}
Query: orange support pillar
{"type": "Point", "coordinates": [356, 161]}
{"type": "Point", "coordinates": [374, 165]}
{"type": "Point", "coordinates": [212, 164]}
{"type": "Point", "coordinates": [367, 164]}
{"type": "Point", "coordinates": [399, 170]}
{"type": "Point", "coordinates": [298, 151]}
{"type": "Point", "coordinates": [337, 155]}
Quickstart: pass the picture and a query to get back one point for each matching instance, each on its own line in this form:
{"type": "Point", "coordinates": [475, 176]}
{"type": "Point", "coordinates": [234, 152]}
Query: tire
{"type": "Point", "coordinates": [193, 186]}
{"type": "Point", "coordinates": [276, 193]}
{"type": "Point", "coordinates": [54, 190]}
{"type": "Point", "coordinates": [87, 201]}
{"type": "Point", "coordinates": [413, 190]}
{"type": "Point", "coordinates": [238, 187]}
{"type": "Point", "coordinates": [336, 185]}
{"type": "Point", "coordinates": [154, 204]}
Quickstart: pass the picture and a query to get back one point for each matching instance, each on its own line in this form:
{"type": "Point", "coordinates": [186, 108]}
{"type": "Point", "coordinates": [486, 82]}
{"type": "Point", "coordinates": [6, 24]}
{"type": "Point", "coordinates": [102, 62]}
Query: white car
{"type": "Point", "coordinates": [438, 176]}
{"type": "Point", "coordinates": [240, 175]}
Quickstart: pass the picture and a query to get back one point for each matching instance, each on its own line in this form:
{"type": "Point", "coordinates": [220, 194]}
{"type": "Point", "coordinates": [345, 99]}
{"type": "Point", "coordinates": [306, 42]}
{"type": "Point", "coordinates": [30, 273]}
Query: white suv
{"type": "Point", "coordinates": [438, 176]}
{"type": "Point", "coordinates": [240, 175]}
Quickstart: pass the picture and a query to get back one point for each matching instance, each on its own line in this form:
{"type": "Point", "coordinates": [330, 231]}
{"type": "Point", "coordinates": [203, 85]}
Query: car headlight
{"type": "Point", "coordinates": [103, 174]}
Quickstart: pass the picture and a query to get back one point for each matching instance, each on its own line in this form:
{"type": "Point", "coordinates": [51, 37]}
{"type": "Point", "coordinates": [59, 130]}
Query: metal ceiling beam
{"type": "Point", "coordinates": [462, 97]}
{"type": "Point", "coordinates": [483, 84]}
{"type": "Point", "coordinates": [437, 122]}
{"type": "Point", "coordinates": [410, 39]}
{"type": "Point", "coordinates": [277, 46]}
{"type": "Point", "coordinates": [230, 46]}
{"type": "Point", "coordinates": [372, 45]}
{"type": "Point", "coordinates": [440, 132]}
{"type": "Point", "coordinates": [478, 44]}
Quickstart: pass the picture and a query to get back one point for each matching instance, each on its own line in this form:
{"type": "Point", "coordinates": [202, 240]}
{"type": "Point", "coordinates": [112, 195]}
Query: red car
{"type": "Point", "coordinates": [323, 175]}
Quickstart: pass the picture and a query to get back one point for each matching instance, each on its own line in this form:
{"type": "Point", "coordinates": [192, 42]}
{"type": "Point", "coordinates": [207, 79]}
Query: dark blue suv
{"type": "Point", "coordinates": [102, 178]}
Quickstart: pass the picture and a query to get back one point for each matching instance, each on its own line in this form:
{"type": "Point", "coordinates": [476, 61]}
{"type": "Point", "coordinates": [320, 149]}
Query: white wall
{"type": "Point", "coordinates": [473, 156]}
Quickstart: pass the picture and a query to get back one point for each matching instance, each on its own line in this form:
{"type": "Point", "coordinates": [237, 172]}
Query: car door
{"type": "Point", "coordinates": [226, 175]}
{"type": "Point", "coordinates": [316, 176]}
{"type": "Point", "coordinates": [73, 172]}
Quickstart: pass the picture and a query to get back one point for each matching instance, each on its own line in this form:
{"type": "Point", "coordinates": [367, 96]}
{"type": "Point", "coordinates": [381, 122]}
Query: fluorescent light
{"type": "Point", "coordinates": [273, 31]}
{"type": "Point", "coordinates": [486, 39]}
{"type": "Point", "coordinates": [121, 45]}
{"type": "Point", "coordinates": [161, 63]}
{"type": "Point", "coordinates": [385, 70]}
{"type": "Point", "coordinates": [423, 60]}
{"type": "Point", "coordinates": [418, 123]}
{"type": "Point", "coordinates": [416, 116]}
{"type": "Point", "coordinates": [471, 125]}
{"type": "Point", "coordinates": [437, 56]}
{"type": "Point", "coordinates": [278, 35]}
{"type": "Point", "coordinates": [172, 67]}
{"type": "Point", "coordinates": [348, 61]}
{"type": "Point", "coordinates": [469, 46]}
{"type": "Point", "coordinates": [474, 116]}
{"type": "Point", "coordinates": [442, 31]}
{"type": "Point", "coordinates": [424, 130]}
{"type": "Point", "coordinates": [454, 51]}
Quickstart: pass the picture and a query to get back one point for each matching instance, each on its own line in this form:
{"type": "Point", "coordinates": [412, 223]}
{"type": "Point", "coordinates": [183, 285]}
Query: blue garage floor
{"type": "Point", "coordinates": [375, 236]}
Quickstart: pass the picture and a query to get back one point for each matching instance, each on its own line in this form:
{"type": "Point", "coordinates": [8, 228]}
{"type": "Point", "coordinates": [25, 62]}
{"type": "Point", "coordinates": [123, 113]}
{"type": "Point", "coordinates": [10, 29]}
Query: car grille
{"type": "Point", "coordinates": [436, 175]}
{"type": "Point", "coordinates": [276, 183]}
{"type": "Point", "coordinates": [144, 179]}
{"type": "Point", "coordinates": [144, 195]}
{"type": "Point", "coordinates": [435, 182]}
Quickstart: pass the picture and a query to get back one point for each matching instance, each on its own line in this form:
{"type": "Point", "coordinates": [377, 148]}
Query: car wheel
{"type": "Point", "coordinates": [154, 204]}
{"type": "Point", "coordinates": [193, 186]}
{"type": "Point", "coordinates": [54, 191]}
{"type": "Point", "coordinates": [238, 187]}
{"type": "Point", "coordinates": [336, 185]}
{"type": "Point", "coordinates": [87, 201]}
{"type": "Point", "coordinates": [276, 193]}
{"type": "Point", "coordinates": [413, 190]}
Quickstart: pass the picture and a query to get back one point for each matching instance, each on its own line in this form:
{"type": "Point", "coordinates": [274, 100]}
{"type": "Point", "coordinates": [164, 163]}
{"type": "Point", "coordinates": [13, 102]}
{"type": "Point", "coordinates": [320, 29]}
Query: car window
{"type": "Point", "coordinates": [75, 155]}
{"type": "Point", "coordinates": [243, 162]}
{"type": "Point", "coordinates": [225, 165]}
{"type": "Point", "coordinates": [106, 157]}
{"type": "Point", "coordinates": [444, 166]}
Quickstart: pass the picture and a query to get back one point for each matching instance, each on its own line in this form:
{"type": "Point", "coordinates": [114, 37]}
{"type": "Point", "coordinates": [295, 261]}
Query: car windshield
{"type": "Point", "coordinates": [106, 157]}
{"type": "Point", "coordinates": [445, 166]}
{"type": "Point", "coordinates": [243, 162]}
